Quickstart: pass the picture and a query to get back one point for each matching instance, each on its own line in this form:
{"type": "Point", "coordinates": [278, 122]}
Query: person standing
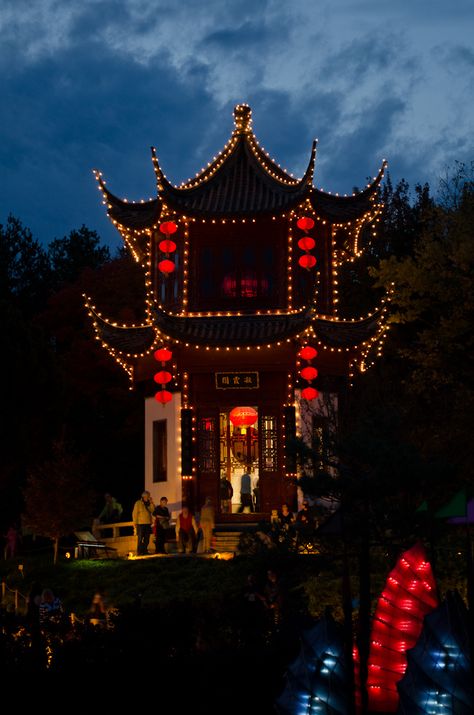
{"type": "Point", "coordinates": [226, 494]}
{"type": "Point", "coordinates": [186, 531]}
{"type": "Point", "coordinates": [207, 524]}
{"type": "Point", "coordinates": [142, 518]}
{"type": "Point", "coordinates": [162, 521]}
{"type": "Point", "coordinates": [112, 510]}
{"type": "Point", "coordinates": [245, 492]}
{"type": "Point", "coordinates": [11, 547]}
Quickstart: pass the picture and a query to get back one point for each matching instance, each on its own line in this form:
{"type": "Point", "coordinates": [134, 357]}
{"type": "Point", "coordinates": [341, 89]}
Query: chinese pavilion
{"type": "Point", "coordinates": [242, 328]}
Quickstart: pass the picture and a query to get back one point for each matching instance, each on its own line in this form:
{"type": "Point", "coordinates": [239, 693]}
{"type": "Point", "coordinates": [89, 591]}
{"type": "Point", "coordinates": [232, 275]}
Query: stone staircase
{"type": "Point", "coordinates": [225, 541]}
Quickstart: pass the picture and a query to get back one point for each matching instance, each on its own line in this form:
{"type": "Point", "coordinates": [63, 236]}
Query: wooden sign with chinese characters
{"type": "Point", "coordinates": [236, 380]}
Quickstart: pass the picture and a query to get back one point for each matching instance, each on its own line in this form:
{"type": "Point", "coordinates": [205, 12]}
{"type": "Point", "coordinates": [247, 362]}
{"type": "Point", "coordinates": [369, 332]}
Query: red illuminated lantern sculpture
{"type": "Point", "coordinates": [164, 396]}
{"type": "Point", "coordinates": [309, 373]}
{"type": "Point", "coordinates": [309, 393]}
{"type": "Point", "coordinates": [163, 377]}
{"type": "Point", "coordinates": [305, 223]}
{"type": "Point", "coordinates": [306, 243]}
{"type": "Point", "coordinates": [168, 228]}
{"type": "Point", "coordinates": [166, 266]}
{"type": "Point", "coordinates": [307, 261]}
{"type": "Point", "coordinates": [163, 355]}
{"type": "Point", "coordinates": [167, 246]}
{"type": "Point", "coordinates": [308, 352]}
{"type": "Point", "coordinates": [243, 416]}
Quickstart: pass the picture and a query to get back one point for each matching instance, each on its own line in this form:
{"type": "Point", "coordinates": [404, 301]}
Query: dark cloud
{"type": "Point", "coordinates": [94, 84]}
{"type": "Point", "coordinates": [349, 159]}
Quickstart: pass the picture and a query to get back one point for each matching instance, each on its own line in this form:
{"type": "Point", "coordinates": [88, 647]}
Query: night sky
{"type": "Point", "coordinates": [94, 83]}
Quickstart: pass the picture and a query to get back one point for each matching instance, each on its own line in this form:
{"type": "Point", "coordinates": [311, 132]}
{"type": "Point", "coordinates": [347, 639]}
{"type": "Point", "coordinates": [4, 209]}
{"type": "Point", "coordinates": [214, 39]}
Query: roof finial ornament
{"type": "Point", "coordinates": [243, 118]}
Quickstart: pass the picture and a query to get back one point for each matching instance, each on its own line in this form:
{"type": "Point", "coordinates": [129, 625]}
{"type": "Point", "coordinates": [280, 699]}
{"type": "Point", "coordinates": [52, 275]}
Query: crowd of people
{"type": "Point", "coordinates": [149, 519]}
{"type": "Point", "coordinates": [192, 534]}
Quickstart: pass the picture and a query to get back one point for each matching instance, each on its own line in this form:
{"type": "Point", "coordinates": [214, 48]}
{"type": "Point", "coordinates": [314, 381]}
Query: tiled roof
{"type": "Point", "coordinates": [340, 209]}
{"type": "Point", "coordinates": [236, 330]}
{"type": "Point", "coordinates": [135, 216]}
{"type": "Point", "coordinates": [346, 333]}
{"type": "Point", "coordinates": [128, 340]}
{"type": "Point", "coordinates": [240, 186]}
{"type": "Point", "coordinates": [241, 181]}
{"type": "Point", "coordinates": [232, 330]}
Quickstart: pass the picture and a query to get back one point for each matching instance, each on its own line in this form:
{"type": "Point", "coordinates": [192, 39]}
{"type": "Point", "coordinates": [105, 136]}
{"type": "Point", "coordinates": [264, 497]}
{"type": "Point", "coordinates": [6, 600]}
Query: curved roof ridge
{"type": "Point", "coordinates": [129, 340]}
{"type": "Point", "coordinates": [115, 200]}
{"type": "Point", "coordinates": [368, 190]}
{"type": "Point", "coordinates": [375, 314]}
{"type": "Point", "coordinates": [242, 133]}
{"type": "Point", "coordinates": [132, 215]}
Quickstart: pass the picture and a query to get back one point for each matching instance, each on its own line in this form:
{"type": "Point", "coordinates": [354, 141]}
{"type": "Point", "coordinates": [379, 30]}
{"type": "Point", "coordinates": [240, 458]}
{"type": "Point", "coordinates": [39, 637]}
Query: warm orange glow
{"type": "Point", "coordinates": [243, 416]}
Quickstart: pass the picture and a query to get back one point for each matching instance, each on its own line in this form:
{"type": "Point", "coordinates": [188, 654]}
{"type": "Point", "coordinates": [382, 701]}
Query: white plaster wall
{"type": "Point", "coordinates": [172, 487]}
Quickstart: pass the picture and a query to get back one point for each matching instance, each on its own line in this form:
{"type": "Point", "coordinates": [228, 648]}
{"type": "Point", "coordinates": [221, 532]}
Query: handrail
{"type": "Point", "coordinates": [16, 593]}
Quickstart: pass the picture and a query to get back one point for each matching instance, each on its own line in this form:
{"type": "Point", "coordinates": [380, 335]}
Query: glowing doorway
{"type": "Point", "coordinates": [239, 470]}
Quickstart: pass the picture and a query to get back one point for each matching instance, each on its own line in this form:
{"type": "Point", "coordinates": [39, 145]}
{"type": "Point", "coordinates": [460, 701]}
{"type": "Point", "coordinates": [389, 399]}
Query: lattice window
{"type": "Point", "coordinates": [207, 444]}
{"type": "Point", "coordinates": [268, 432]}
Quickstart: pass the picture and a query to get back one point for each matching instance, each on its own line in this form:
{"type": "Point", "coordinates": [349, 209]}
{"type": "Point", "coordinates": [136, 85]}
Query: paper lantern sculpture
{"type": "Point", "coordinates": [409, 595]}
{"type": "Point", "coordinates": [438, 676]}
{"type": "Point", "coordinates": [317, 680]}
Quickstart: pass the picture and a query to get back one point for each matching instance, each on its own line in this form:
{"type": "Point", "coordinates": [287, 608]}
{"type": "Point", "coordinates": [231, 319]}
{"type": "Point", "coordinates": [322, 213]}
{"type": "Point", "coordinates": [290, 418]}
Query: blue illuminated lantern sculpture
{"type": "Point", "coordinates": [317, 680]}
{"type": "Point", "coordinates": [438, 676]}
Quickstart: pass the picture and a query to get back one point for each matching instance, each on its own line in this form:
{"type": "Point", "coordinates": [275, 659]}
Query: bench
{"type": "Point", "coordinates": [87, 545]}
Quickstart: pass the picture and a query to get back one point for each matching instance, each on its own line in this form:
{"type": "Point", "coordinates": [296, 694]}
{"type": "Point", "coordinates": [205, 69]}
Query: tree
{"type": "Point", "coordinates": [24, 268]}
{"type": "Point", "coordinates": [58, 498]}
{"type": "Point", "coordinates": [433, 311]}
{"type": "Point", "coordinates": [70, 255]}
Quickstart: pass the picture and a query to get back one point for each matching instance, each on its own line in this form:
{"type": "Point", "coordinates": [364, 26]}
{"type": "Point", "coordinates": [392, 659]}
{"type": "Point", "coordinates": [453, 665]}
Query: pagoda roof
{"type": "Point", "coordinates": [234, 330]}
{"type": "Point", "coordinates": [341, 209]}
{"type": "Point", "coordinates": [130, 214]}
{"type": "Point", "coordinates": [242, 181]}
{"type": "Point", "coordinates": [346, 333]}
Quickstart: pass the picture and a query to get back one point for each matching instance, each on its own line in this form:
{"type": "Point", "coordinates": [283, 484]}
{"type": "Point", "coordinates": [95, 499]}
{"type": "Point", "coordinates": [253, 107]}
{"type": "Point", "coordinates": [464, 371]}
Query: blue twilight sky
{"type": "Point", "coordinates": [94, 83]}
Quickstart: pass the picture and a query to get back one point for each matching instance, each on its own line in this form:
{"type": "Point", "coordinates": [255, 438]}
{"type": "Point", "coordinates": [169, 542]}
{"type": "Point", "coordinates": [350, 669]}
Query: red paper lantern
{"type": "Point", "coordinates": [309, 393]}
{"type": "Point", "coordinates": [166, 266]}
{"type": "Point", "coordinates": [306, 243]}
{"type": "Point", "coordinates": [168, 227]}
{"type": "Point", "coordinates": [243, 416]}
{"type": "Point", "coordinates": [309, 373]}
{"type": "Point", "coordinates": [163, 377]}
{"type": "Point", "coordinates": [163, 396]}
{"type": "Point", "coordinates": [163, 355]}
{"type": "Point", "coordinates": [307, 261]}
{"type": "Point", "coordinates": [167, 246]}
{"type": "Point", "coordinates": [305, 223]}
{"type": "Point", "coordinates": [308, 352]}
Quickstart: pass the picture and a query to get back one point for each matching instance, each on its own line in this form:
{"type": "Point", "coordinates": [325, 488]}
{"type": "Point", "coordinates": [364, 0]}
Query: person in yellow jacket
{"type": "Point", "coordinates": [142, 518]}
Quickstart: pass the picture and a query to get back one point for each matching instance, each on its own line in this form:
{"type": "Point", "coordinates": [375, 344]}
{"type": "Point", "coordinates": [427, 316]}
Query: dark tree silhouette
{"type": "Point", "coordinates": [58, 498]}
